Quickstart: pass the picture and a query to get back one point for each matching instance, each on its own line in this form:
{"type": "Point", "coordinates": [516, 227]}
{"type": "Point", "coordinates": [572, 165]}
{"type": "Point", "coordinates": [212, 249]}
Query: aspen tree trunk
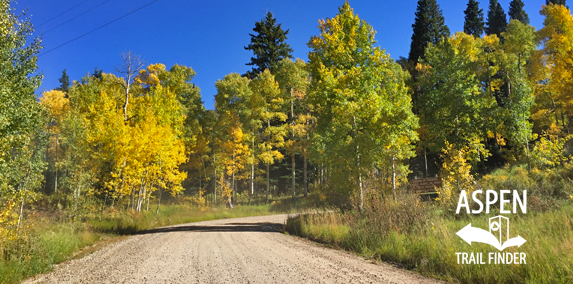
{"type": "Point", "coordinates": [305, 178]}
{"type": "Point", "coordinates": [215, 180]}
{"type": "Point", "coordinates": [229, 197]}
{"type": "Point", "coordinates": [358, 167]}
{"type": "Point", "coordinates": [159, 200]}
{"type": "Point", "coordinates": [233, 191]}
{"type": "Point", "coordinates": [268, 181]}
{"type": "Point", "coordinates": [268, 165]}
{"type": "Point", "coordinates": [293, 180]}
{"type": "Point", "coordinates": [426, 162]}
{"type": "Point", "coordinates": [142, 193]}
{"type": "Point", "coordinates": [149, 196]}
{"type": "Point", "coordinates": [253, 165]}
{"type": "Point", "coordinates": [293, 152]}
{"type": "Point", "coordinates": [56, 167]}
{"type": "Point", "coordinates": [21, 215]}
{"type": "Point", "coordinates": [132, 199]}
{"type": "Point", "coordinates": [393, 178]}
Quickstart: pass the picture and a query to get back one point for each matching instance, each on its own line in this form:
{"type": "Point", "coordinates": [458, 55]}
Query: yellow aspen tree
{"type": "Point", "coordinates": [273, 117]}
{"type": "Point", "coordinates": [293, 79]}
{"type": "Point", "coordinates": [57, 104]}
{"type": "Point", "coordinates": [557, 40]}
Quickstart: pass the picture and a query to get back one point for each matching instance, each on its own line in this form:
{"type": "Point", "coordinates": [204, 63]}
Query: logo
{"type": "Point", "coordinates": [497, 237]}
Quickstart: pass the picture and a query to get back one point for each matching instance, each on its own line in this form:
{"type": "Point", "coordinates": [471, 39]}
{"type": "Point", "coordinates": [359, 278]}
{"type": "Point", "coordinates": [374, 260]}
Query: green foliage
{"type": "Point", "coordinates": [268, 45]}
{"type": "Point", "coordinates": [496, 19]}
{"type": "Point", "coordinates": [429, 27]}
{"type": "Point", "coordinates": [549, 152]}
{"type": "Point", "coordinates": [453, 107]}
{"type": "Point", "coordinates": [360, 99]}
{"type": "Point", "coordinates": [21, 117]}
{"type": "Point", "coordinates": [473, 21]}
{"type": "Point", "coordinates": [456, 176]}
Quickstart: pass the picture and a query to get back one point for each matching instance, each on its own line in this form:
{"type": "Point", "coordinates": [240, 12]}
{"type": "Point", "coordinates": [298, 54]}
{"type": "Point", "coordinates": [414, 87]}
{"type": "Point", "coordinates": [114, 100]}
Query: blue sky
{"type": "Point", "coordinates": [208, 36]}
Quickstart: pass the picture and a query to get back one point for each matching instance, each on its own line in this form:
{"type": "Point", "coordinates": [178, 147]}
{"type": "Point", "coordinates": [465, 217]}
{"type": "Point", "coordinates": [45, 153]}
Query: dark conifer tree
{"type": "Point", "coordinates": [473, 23]}
{"type": "Point", "coordinates": [516, 12]}
{"type": "Point", "coordinates": [97, 73]}
{"type": "Point", "coordinates": [64, 82]}
{"type": "Point", "coordinates": [557, 2]}
{"type": "Point", "coordinates": [429, 26]}
{"type": "Point", "coordinates": [268, 45]}
{"type": "Point", "coordinates": [496, 19]}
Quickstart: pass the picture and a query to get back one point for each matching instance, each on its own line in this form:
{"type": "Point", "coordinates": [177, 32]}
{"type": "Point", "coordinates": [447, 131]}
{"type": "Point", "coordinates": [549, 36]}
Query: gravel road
{"type": "Point", "coordinates": [241, 250]}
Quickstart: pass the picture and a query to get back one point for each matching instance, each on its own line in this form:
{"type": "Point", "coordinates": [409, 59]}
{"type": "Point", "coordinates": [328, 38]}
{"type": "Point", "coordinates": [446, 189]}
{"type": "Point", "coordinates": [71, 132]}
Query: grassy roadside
{"type": "Point", "coordinates": [430, 249]}
{"type": "Point", "coordinates": [46, 241]}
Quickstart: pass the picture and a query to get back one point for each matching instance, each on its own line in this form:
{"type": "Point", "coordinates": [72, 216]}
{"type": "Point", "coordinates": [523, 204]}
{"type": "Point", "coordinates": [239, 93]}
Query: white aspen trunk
{"type": "Point", "coordinates": [233, 191]}
{"type": "Point", "coordinates": [132, 199]}
{"type": "Point", "coordinates": [56, 167]}
{"type": "Point", "coordinates": [426, 162]}
{"type": "Point", "coordinates": [76, 197]}
{"type": "Point", "coordinates": [253, 165]}
{"type": "Point", "coordinates": [293, 152]}
{"type": "Point", "coordinates": [305, 178]}
{"type": "Point", "coordinates": [143, 194]}
{"type": "Point", "coordinates": [149, 196]}
{"type": "Point", "coordinates": [268, 181]}
{"type": "Point", "coordinates": [140, 195]}
{"type": "Point", "coordinates": [268, 165]}
{"type": "Point", "coordinates": [293, 179]}
{"type": "Point", "coordinates": [358, 167]}
{"type": "Point", "coordinates": [360, 184]}
{"type": "Point", "coordinates": [160, 192]}
{"type": "Point", "coordinates": [215, 180]}
{"type": "Point", "coordinates": [21, 215]}
{"type": "Point", "coordinates": [393, 178]}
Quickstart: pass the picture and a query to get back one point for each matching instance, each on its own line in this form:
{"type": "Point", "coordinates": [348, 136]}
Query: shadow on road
{"type": "Point", "coordinates": [231, 227]}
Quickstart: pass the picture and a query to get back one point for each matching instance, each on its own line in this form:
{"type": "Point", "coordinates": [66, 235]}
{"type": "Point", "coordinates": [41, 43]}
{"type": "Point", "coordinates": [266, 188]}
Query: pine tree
{"type": "Point", "coordinates": [516, 12]}
{"type": "Point", "coordinates": [496, 20]}
{"type": "Point", "coordinates": [473, 23]}
{"type": "Point", "coordinates": [556, 2]}
{"type": "Point", "coordinates": [65, 82]}
{"type": "Point", "coordinates": [429, 26]}
{"type": "Point", "coordinates": [268, 45]}
{"type": "Point", "coordinates": [97, 73]}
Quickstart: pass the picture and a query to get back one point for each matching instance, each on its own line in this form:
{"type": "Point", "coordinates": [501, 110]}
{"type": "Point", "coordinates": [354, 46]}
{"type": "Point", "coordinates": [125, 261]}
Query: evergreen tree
{"type": "Point", "coordinates": [516, 12]}
{"type": "Point", "coordinates": [556, 2]}
{"type": "Point", "coordinates": [429, 26]}
{"type": "Point", "coordinates": [268, 46]}
{"type": "Point", "coordinates": [496, 19]}
{"type": "Point", "coordinates": [97, 73]}
{"type": "Point", "coordinates": [473, 23]}
{"type": "Point", "coordinates": [65, 82]}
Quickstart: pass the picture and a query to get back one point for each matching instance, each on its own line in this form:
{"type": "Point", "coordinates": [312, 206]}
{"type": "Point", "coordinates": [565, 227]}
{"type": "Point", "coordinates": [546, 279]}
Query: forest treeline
{"type": "Point", "coordinates": [351, 123]}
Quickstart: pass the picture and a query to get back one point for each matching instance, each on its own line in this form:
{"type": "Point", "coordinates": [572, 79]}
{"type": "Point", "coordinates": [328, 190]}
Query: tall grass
{"type": "Point", "coordinates": [427, 243]}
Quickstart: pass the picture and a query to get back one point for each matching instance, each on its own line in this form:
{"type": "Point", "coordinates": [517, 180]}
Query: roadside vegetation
{"type": "Point", "coordinates": [488, 107]}
{"type": "Point", "coordinates": [421, 235]}
{"type": "Point", "coordinates": [427, 243]}
{"type": "Point", "coordinates": [50, 236]}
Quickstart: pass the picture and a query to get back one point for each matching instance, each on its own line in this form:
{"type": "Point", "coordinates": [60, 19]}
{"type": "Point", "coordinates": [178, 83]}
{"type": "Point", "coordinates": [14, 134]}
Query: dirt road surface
{"type": "Point", "coordinates": [241, 250]}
